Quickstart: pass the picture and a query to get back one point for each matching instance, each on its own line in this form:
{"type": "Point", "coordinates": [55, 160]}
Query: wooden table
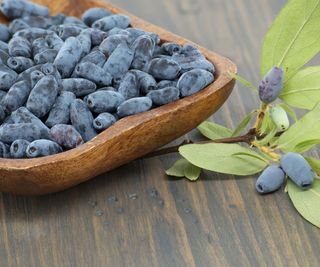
{"type": "Point", "coordinates": [136, 215]}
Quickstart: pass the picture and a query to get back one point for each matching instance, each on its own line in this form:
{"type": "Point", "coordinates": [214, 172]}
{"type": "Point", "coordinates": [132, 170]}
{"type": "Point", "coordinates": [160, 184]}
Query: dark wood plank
{"type": "Point", "coordinates": [218, 221]}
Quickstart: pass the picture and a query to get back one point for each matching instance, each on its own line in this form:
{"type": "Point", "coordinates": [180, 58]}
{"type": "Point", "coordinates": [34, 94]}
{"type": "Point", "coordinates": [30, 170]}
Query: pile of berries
{"type": "Point", "coordinates": [64, 79]}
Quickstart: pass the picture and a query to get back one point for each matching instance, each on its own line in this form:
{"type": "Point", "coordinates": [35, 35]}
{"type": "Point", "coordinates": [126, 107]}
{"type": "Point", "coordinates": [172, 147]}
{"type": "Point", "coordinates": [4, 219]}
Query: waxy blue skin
{"type": "Point", "coordinates": [16, 96]}
{"type": "Point", "coordinates": [42, 148]}
{"type": "Point", "coordinates": [93, 73]}
{"type": "Point", "coordinates": [170, 48]}
{"type": "Point", "coordinates": [4, 57]}
{"type": "Point", "coordinates": [17, 25]}
{"type": "Point", "coordinates": [166, 83]}
{"type": "Point", "coordinates": [20, 64]}
{"type": "Point", "coordinates": [93, 14]}
{"type": "Point", "coordinates": [129, 86]}
{"type": "Point", "coordinates": [19, 47]}
{"type": "Point", "coordinates": [271, 179]}
{"type": "Point", "coordinates": [134, 106]}
{"type": "Point", "coordinates": [271, 85]}
{"type": "Point", "coordinates": [79, 86]}
{"type": "Point", "coordinates": [193, 81]}
{"type": "Point", "coordinates": [66, 136]}
{"type": "Point", "coordinates": [60, 112]}
{"type": "Point", "coordinates": [104, 121]}
{"type": "Point", "coordinates": [109, 44]}
{"type": "Point", "coordinates": [164, 96]}
{"type": "Point", "coordinates": [163, 68]}
{"type": "Point", "coordinates": [35, 77]}
{"type": "Point", "coordinates": [95, 57]}
{"type": "Point", "coordinates": [119, 62]}
{"type": "Point", "coordinates": [104, 101]}
{"type": "Point", "coordinates": [297, 169]}
{"type": "Point", "coordinates": [146, 82]}
{"type": "Point", "coordinates": [46, 56]}
{"type": "Point", "coordinates": [68, 57]}
{"type": "Point", "coordinates": [18, 149]}
{"type": "Point", "coordinates": [7, 77]}
{"type": "Point", "coordinates": [39, 45]}
{"type": "Point", "coordinates": [112, 21]}
{"type": "Point", "coordinates": [13, 9]}
{"type": "Point", "coordinates": [23, 115]}
{"type": "Point", "coordinates": [4, 33]}
{"type": "Point", "coordinates": [82, 119]}
{"type": "Point", "coordinates": [43, 96]}
{"type": "Point", "coordinates": [143, 48]}
{"type": "Point", "coordinates": [4, 150]}
{"type": "Point", "coordinates": [27, 131]}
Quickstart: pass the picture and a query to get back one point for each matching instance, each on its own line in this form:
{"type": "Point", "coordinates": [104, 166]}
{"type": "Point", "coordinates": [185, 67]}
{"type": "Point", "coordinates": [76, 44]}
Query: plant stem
{"type": "Point", "coordinates": [260, 117]}
{"type": "Point", "coordinates": [247, 138]}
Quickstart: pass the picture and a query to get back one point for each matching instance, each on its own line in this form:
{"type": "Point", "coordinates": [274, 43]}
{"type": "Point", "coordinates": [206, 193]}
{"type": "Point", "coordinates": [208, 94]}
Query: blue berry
{"type": "Point", "coordinates": [170, 48]}
{"type": "Point", "coordinates": [42, 148]}
{"type": "Point", "coordinates": [143, 48]}
{"type": "Point", "coordinates": [164, 96]}
{"type": "Point", "coordinates": [271, 179]}
{"type": "Point", "coordinates": [166, 83]}
{"type": "Point", "coordinates": [19, 46]}
{"type": "Point", "coordinates": [47, 56]}
{"type": "Point", "coordinates": [134, 106]}
{"type": "Point", "coordinates": [163, 68]}
{"type": "Point", "coordinates": [104, 101]}
{"type": "Point", "coordinates": [109, 44]}
{"type": "Point", "coordinates": [109, 22]}
{"type": "Point", "coordinates": [68, 56]}
{"type": "Point", "coordinates": [271, 85]}
{"type": "Point", "coordinates": [146, 82]}
{"type": "Point", "coordinates": [20, 64]}
{"type": "Point", "coordinates": [79, 86]}
{"type": "Point", "coordinates": [35, 77]}
{"type": "Point", "coordinates": [16, 96]}
{"type": "Point", "coordinates": [4, 33]}
{"type": "Point", "coordinates": [193, 81]}
{"type": "Point", "coordinates": [27, 131]}
{"type": "Point", "coordinates": [119, 61]}
{"type": "Point", "coordinates": [66, 136]}
{"type": "Point", "coordinates": [104, 121]}
{"type": "Point", "coordinates": [95, 57]}
{"type": "Point", "coordinates": [43, 96]}
{"type": "Point", "coordinates": [7, 77]}
{"type": "Point", "coordinates": [93, 73]}
{"type": "Point", "coordinates": [82, 119]}
{"type": "Point", "coordinates": [93, 14]}
{"type": "Point", "coordinates": [129, 86]}
{"type": "Point", "coordinates": [18, 149]}
{"type": "Point", "coordinates": [60, 112]}
{"type": "Point", "coordinates": [297, 169]}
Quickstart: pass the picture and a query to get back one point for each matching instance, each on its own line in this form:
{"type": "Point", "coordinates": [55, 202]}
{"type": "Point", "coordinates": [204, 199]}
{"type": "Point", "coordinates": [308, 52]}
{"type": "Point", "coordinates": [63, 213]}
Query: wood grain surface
{"type": "Point", "coordinates": [136, 216]}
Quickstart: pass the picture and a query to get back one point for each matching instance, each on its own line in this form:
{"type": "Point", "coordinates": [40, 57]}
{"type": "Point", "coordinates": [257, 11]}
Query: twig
{"type": "Point", "coordinates": [247, 138]}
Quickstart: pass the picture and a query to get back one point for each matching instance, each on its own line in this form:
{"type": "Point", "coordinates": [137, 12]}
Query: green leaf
{"type": "Point", "coordinates": [213, 130]}
{"type": "Point", "coordinates": [183, 168]}
{"type": "Point", "coordinates": [307, 128]}
{"type": "Point", "coordinates": [243, 81]}
{"type": "Point", "coordinates": [294, 37]}
{"type": "Point", "coordinates": [244, 123]}
{"type": "Point", "coordinates": [245, 154]}
{"type": "Point", "coordinates": [192, 172]}
{"type": "Point", "coordinates": [219, 158]}
{"type": "Point", "coordinates": [314, 163]}
{"type": "Point", "coordinates": [306, 201]}
{"type": "Point", "coordinates": [306, 145]}
{"type": "Point", "coordinates": [289, 110]}
{"type": "Point", "coordinates": [303, 89]}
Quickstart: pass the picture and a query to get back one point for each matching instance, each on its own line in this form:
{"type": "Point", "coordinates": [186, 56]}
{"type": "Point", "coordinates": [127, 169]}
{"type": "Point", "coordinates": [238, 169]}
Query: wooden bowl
{"type": "Point", "coordinates": [128, 139]}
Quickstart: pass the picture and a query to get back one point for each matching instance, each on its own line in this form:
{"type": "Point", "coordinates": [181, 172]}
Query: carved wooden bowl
{"type": "Point", "coordinates": [130, 138]}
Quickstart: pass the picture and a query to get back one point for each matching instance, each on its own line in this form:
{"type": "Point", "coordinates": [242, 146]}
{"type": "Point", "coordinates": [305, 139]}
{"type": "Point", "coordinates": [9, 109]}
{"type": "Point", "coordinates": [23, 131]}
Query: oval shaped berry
{"type": "Point", "coordinates": [280, 118]}
{"type": "Point", "coordinates": [271, 85]}
{"type": "Point", "coordinates": [193, 81]}
{"type": "Point", "coordinates": [93, 14]}
{"type": "Point", "coordinates": [66, 136]}
{"type": "Point", "coordinates": [112, 21]}
{"type": "Point", "coordinates": [134, 106]}
{"type": "Point", "coordinates": [270, 180]}
{"type": "Point", "coordinates": [297, 169]}
{"type": "Point", "coordinates": [42, 148]}
{"type": "Point", "coordinates": [104, 121]}
{"type": "Point", "coordinates": [163, 68]}
{"type": "Point", "coordinates": [164, 96]}
{"type": "Point", "coordinates": [104, 101]}
{"type": "Point", "coordinates": [18, 149]}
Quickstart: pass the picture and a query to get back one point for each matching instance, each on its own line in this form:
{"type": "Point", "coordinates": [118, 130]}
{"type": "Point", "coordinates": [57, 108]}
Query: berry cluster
{"type": "Point", "coordinates": [64, 79]}
{"type": "Point", "coordinates": [292, 165]}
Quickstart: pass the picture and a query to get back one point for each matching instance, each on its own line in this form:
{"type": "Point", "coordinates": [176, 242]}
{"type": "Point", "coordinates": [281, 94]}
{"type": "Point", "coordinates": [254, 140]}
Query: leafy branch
{"type": "Point", "coordinates": [270, 144]}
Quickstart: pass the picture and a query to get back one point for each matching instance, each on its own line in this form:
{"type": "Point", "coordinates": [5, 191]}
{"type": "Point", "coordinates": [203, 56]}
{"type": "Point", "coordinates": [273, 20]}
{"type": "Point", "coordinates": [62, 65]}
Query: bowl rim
{"type": "Point", "coordinates": [222, 64]}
